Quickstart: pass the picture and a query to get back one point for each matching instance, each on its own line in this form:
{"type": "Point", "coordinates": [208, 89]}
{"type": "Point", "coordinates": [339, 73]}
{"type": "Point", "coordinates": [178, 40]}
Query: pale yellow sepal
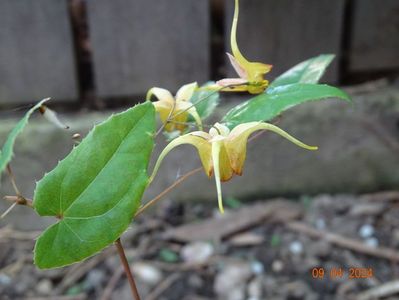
{"type": "Point", "coordinates": [198, 139]}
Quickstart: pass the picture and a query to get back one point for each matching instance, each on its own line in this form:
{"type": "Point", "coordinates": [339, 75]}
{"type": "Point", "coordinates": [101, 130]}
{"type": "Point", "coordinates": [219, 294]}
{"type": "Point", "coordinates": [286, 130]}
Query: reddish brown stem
{"type": "Point", "coordinates": [12, 178]}
{"type": "Point", "coordinates": [167, 190]}
{"type": "Point", "coordinates": [127, 269]}
{"type": "Point", "coordinates": [167, 119]}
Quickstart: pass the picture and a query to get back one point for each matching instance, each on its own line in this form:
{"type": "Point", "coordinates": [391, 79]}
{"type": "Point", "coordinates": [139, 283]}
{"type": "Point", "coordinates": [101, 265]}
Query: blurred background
{"type": "Point", "coordinates": [336, 209]}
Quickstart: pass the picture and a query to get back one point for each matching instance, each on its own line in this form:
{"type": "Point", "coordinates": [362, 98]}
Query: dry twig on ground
{"type": "Point", "coordinates": [234, 222]}
{"type": "Point", "coordinates": [163, 286]}
{"type": "Point", "coordinates": [382, 291]}
{"type": "Point", "coordinates": [344, 242]}
{"type": "Point", "coordinates": [76, 297]}
{"type": "Point", "coordinates": [78, 271]}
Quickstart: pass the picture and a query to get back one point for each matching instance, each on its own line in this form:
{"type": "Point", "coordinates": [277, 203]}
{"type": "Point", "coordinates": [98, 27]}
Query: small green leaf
{"type": "Point", "coordinates": [274, 101]}
{"type": "Point", "coordinates": [275, 241]}
{"type": "Point", "coordinates": [309, 71]}
{"type": "Point", "coordinates": [232, 202]}
{"type": "Point", "coordinates": [96, 189]}
{"type": "Point", "coordinates": [6, 152]}
{"type": "Point", "coordinates": [205, 101]}
{"type": "Point", "coordinates": [168, 255]}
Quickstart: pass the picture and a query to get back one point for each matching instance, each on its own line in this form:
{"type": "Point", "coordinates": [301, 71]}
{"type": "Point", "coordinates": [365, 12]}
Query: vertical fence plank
{"type": "Point", "coordinates": [375, 35]}
{"type": "Point", "coordinates": [141, 43]}
{"type": "Point", "coordinates": [286, 32]}
{"type": "Point", "coordinates": [36, 51]}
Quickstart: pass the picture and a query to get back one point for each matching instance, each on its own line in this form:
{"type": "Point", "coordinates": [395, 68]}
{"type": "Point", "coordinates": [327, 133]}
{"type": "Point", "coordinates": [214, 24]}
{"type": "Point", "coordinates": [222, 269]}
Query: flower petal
{"type": "Point", "coordinates": [256, 72]}
{"type": "Point", "coordinates": [186, 92]}
{"type": "Point", "coordinates": [161, 94]}
{"type": "Point", "coordinates": [164, 109]}
{"type": "Point", "coordinates": [188, 108]}
{"type": "Point", "coordinates": [216, 147]}
{"type": "Point", "coordinates": [236, 143]}
{"type": "Point", "coordinates": [226, 171]}
{"type": "Point", "coordinates": [258, 87]}
{"type": "Point", "coordinates": [181, 107]}
{"type": "Point", "coordinates": [219, 131]}
{"type": "Point", "coordinates": [198, 139]}
{"type": "Point", "coordinates": [178, 121]}
{"type": "Point", "coordinates": [193, 112]}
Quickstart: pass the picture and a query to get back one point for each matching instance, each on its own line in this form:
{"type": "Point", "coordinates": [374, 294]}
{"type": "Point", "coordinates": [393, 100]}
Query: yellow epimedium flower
{"type": "Point", "coordinates": [174, 111]}
{"type": "Point", "coordinates": [251, 74]}
{"type": "Point", "coordinates": [222, 152]}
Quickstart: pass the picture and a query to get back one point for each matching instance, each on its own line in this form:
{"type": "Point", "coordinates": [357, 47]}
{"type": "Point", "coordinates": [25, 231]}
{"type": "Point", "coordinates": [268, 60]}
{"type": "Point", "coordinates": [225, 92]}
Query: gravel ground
{"type": "Point", "coordinates": [322, 247]}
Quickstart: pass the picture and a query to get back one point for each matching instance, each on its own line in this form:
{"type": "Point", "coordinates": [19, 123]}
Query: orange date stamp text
{"type": "Point", "coordinates": [339, 272]}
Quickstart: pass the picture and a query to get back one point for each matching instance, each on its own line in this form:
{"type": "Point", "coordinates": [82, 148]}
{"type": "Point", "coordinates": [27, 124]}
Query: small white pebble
{"type": "Point", "coordinates": [277, 266]}
{"type": "Point", "coordinates": [366, 231]}
{"type": "Point", "coordinates": [257, 267]}
{"type": "Point", "coordinates": [254, 288]}
{"type": "Point", "coordinates": [147, 273]}
{"type": "Point", "coordinates": [44, 287]}
{"type": "Point", "coordinates": [5, 280]}
{"type": "Point", "coordinates": [296, 247]}
{"type": "Point", "coordinates": [95, 278]}
{"type": "Point", "coordinates": [197, 252]}
{"type": "Point", "coordinates": [372, 242]}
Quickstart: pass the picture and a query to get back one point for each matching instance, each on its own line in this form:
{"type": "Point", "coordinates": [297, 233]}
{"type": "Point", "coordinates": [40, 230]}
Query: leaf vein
{"type": "Point", "coordinates": [105, 165]}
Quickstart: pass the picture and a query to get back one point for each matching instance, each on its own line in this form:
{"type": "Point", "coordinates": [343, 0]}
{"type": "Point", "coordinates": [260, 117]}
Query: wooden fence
{"type": "Point", "coordinates": [135, 44]}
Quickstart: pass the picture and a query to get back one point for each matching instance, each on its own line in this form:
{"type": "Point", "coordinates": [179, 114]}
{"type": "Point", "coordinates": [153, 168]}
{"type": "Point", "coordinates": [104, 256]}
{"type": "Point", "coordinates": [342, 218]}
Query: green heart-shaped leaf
{"type": "Point", "coordinates": [6, 152]}
{"type": "Point", "coordinates": [309, 71]}
{"type": "Point", "coordinates": [274, 101]}
{"type": "Point", "coordinates": [96, 189]}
